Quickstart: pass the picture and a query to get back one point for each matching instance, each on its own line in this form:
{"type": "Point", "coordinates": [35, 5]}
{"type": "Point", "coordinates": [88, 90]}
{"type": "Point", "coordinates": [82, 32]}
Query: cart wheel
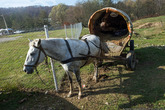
{"type": "Point", "coordinates": [132, 45]}
{"type": "Point", "coordinates": [131, 61]}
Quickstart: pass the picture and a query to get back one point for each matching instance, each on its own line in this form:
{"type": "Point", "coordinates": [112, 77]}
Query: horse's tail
{"type": "Point", "coordinates": [104, 47]}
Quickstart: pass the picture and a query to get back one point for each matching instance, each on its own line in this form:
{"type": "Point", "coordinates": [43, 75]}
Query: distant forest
{"type": "Point", "coordinates": [26, 18]}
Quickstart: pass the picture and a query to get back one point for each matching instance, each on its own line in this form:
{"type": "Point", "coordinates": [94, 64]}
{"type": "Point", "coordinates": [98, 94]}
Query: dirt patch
{"type": "Point", "coordinates": [95, 95]}
{"type": "Point", "coordinates": [8, 39]}
{"type": "Point", "coordinates": [149, 25]}
{"type": "Point", "coordinates": [116, 89]}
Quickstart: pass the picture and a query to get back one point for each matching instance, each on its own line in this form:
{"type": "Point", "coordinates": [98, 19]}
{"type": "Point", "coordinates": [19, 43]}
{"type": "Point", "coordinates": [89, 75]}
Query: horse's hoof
{"type": "Point", "coordinates": [69, 95]}
{"type": "Point", "coordinates": [79, 97]}
{"type": "Point", "coordinates": [95, 79]}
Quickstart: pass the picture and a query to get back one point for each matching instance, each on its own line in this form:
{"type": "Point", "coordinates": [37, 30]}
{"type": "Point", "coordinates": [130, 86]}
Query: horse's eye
{"type": "Point", "coordinates": [32, 54]}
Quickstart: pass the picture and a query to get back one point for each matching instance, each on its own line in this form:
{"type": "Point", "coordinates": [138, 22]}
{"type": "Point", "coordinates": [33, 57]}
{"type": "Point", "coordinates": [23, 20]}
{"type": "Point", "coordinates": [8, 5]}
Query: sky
{"type": "Point", "coordinates": [23, 3]}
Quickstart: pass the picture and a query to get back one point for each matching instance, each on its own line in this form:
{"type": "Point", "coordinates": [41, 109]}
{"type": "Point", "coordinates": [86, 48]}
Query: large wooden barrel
{"type": "Point", "coordinates": [113, 26]}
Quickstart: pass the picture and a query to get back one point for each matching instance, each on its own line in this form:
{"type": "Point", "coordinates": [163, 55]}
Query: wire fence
{"type": "Point", "coordinates": [73, 30]}
{"type": "Point", "coordinates": [13, 52]}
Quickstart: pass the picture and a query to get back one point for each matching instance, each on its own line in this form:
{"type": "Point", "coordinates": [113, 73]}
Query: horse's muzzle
{"type": "Point", "coordinates": [28, 70]}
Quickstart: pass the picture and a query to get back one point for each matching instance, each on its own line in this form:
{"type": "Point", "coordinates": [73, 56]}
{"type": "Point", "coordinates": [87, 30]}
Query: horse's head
{"type": "Point", "coordinates": [35, 56]}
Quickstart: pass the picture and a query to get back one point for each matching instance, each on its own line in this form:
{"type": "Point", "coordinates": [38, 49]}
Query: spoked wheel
{"type": "Point", "coordinates": [131, 57]}
{"type": "Point", "coordinates": [132, 45]}
{"type": "Point", "coordinates": [131, 60]}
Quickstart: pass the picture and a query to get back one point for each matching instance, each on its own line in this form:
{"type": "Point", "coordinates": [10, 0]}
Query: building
{"type": "Point", "coordinates": [6, 31]}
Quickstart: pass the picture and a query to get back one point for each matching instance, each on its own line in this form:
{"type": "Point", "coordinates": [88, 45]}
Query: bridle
{"type": "Point", "coordinates": [35, 64]}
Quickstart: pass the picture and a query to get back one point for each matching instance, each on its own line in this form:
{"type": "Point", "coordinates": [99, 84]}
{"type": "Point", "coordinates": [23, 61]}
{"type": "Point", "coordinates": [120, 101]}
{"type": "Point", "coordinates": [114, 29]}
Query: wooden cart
{"type": "Point", "coordinates": [114, 27]}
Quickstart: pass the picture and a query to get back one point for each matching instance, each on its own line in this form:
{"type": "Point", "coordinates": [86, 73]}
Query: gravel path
{"type": "Point", "coordinates": [8, 39]}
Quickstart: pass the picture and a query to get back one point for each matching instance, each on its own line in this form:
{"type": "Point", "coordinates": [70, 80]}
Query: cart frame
{"type": "Point", "coordinates": [112, 35]}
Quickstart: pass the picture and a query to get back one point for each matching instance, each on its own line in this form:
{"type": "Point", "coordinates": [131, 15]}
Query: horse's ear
{"type": "Point", "coordinates": [30, 40]}
{"type": "Point", "coordinates": [38, 43]}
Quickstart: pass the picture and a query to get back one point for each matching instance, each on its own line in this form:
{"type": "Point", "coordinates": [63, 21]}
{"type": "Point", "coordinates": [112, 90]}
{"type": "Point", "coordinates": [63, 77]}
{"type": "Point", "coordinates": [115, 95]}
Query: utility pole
{"type": "Point", "coordinates": [5, 23]}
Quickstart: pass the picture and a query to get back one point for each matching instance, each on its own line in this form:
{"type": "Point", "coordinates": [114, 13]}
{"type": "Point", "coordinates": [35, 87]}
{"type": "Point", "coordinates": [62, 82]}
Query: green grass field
{"type": "Point", "coordinates": [142, 88]}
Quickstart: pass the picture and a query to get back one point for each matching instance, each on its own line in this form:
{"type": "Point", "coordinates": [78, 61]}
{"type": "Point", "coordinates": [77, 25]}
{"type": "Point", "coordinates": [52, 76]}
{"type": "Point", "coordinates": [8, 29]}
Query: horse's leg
{"type": "Point", "coordinates": [77, 73]}
{"type": "Point", "coordinates": [71, 85]}
{"type": "Point", "coordinates": [95, 76]}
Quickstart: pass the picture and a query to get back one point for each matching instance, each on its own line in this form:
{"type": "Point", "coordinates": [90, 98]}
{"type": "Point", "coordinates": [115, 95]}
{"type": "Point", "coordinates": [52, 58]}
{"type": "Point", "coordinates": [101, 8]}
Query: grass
{"type": "Point", "coordinates": [142, 88]}
{"type": "Point", "coordinates": [149, 20]}
{"type": "Point", "coordinates": [12, 77]}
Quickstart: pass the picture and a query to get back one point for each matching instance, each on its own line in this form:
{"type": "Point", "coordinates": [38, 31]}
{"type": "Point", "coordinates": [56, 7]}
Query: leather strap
{"type": "Point", "coordinates": [75, 58]}
{"type": "Point", "coordinates": [40, 49]}
{"type": "Point", "coordinates": [68, 46]}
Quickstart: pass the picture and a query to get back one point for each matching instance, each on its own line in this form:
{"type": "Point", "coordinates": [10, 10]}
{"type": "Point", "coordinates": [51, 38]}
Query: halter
{"type": "Point", "coordinates": [35, 64]}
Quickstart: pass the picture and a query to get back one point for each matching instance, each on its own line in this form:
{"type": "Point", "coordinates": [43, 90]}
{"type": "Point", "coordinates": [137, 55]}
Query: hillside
{"type": "Point", "coordinates": [24, 17]}
{"type": "Point", "coordinates": [155, 20]}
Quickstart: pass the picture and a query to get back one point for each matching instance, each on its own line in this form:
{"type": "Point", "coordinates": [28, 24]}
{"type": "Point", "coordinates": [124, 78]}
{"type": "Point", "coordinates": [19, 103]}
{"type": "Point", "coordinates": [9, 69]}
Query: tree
{"type": "Point", "coordinates": [25, 17]}
{"type": "Point", "coordinates": [42, 18]}
{"type": "Point", "coordinates": [28, 21]}
{"type": "Point", "coordinates": [58, 14]}
{"type": "Point", "coordinates": [88, 8]}
{"type": "Point", "coordinates": [107, 3]}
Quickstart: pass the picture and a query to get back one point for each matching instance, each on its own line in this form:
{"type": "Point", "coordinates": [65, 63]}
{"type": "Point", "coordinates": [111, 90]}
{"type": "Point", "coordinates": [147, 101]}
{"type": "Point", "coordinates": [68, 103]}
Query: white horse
{"type": "Point", "coordinates": [71, 53]}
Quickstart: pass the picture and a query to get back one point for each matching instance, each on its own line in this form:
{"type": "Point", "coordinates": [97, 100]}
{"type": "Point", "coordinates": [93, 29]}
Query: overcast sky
{"type": "Point", "coordinates": [23, 3]}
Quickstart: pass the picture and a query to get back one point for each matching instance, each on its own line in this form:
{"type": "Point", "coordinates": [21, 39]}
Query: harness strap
{"type": "Point", "coordinates": [38, 57]}
{"type": "Point", "coordinates": [88, 46]}
{"type": "Point", "coordinates": [41, 49]}
{"type": "Point", "coordinates": [95, 45]}
{"type": "Point", "coordinates": [78, 58]}
{"type": "Point", "coordinates": [68, 46]}
{"type": "Point", "coordinates": [88, 52]}
{"type": "Point", "coordinates": [75, 58]}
